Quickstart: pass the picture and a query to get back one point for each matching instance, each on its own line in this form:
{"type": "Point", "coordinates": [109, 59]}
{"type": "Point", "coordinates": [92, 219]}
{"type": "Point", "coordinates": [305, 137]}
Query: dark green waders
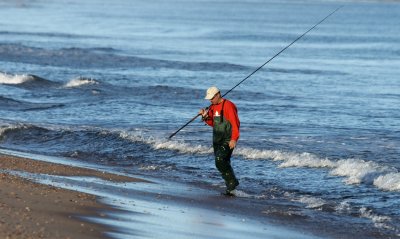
{"type": "Point", "coordinates": [222, 132]}
{"type": "Point", "coordinates": [223, 163]}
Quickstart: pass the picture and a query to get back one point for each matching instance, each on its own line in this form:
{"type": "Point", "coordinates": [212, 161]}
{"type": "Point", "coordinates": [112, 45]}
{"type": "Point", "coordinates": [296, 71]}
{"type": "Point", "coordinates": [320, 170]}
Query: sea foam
{"type": "Point", "coordinates": [360, 171]}
{"type": "Point", "coordinates": [158, 143]}
{"type": "Point", "coordinates": [77, 82]}
{"type": "Point", "coordinates": [14, 79]}
{"type": "Point", "coordinates": [378, 220]}
{"type": "Point", "coordinates": [390, 182]}
{"type": "Point", "coordinates": [354, 170]}
{"type": "Point", "coordinates": [311, 202]}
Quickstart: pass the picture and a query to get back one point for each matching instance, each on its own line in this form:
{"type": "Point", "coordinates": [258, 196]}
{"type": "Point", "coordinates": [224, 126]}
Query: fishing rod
{"type": "Point", "coordinates": [252, 73]}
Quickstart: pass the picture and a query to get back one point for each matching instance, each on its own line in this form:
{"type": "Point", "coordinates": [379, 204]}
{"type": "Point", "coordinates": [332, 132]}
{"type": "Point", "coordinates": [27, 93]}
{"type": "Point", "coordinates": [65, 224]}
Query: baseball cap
{"type": "Point", "coordinates": [211, 92]}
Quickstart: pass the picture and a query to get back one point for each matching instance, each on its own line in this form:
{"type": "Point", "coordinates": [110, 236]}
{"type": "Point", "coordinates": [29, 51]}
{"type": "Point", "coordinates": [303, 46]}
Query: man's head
{"type": "Point", "coordinates": [214, 95]}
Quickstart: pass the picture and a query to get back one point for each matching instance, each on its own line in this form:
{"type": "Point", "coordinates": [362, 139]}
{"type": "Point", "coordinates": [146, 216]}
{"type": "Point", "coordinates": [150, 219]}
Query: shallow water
{"type": "Point", "coordinates": [108, 83]}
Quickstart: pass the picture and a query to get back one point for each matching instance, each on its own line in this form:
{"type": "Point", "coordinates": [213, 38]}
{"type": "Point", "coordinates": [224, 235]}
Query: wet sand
{"type": "Point", "coordinates": [32, 210]}
{"type": "Point", "coordinates": [49, 197]}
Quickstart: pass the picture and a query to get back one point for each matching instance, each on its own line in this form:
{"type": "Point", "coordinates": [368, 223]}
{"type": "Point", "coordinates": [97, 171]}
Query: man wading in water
{"type": "Point", "coordinates": [222, 116]}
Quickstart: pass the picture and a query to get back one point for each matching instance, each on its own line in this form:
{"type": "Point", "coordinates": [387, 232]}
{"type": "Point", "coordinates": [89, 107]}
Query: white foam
{"type": "Point", "coordinates": [311, 202]}
{"type": "Point", "coordinates": [240, 193]}
{"type": "Point", "coordinates": [289, 159]}
{"type": "Point", "coordinates": [149, 168]}
{"type": "Point", "coordinates": [182, 147]}
{"type": "Point", "coordinates": [343, 207]}
{"type": "Point", "coordinates": [157, 143]}
{"type": "Point", "coordinates": [251, 153]}
{"type": "Point", "coordinates": [14, 79]}
{"type": "Point", "coordinates": [355, 171]}
{"type": "Point", "coordinates": [77, 82]}
{"type": "Point", "coordinates": [359, 171]}
{"type": "Point", "coordinates": [378, 220]}
{"type": "Point", "coordinates": [5, 128]}
{"type": "Point", "coordinates": [308, 160]}
{"type": "Point", "coordinates": [390, 182]}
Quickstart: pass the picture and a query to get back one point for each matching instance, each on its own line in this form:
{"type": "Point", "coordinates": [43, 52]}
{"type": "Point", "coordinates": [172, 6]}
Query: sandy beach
{"type": "Point", "coordinates": [32, 210]}
{"type": "Point", "coordinates": [55, 197]}
{"type": "Point", "coordinates": [117, 206]}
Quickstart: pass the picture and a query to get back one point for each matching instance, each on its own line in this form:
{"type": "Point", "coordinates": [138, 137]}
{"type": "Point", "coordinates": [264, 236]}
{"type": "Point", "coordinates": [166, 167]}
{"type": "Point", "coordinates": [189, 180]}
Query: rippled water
{"type": "Point", "coordinates": [108, 83]}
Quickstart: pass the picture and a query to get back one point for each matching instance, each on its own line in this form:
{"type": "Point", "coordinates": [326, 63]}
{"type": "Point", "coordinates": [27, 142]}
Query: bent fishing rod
{"type": "Point", "coordinates": [252, 73]}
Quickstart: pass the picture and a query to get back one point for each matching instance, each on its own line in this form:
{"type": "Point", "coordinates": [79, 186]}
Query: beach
{"type": "Point", "coordinates": [65, 199]}
{"type": "Point", "coordinates": [39, 210]}
{"type": "Point", "coordinates": [32, 210]}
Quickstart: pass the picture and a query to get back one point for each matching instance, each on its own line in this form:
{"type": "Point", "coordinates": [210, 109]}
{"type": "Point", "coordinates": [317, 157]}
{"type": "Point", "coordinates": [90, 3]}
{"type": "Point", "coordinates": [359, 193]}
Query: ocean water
{"type": "Point", "coordinates": [108, 82]}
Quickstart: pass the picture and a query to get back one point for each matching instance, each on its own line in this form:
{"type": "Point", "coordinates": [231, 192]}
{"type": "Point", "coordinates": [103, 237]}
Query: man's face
{"type": "Point", "coordinates": [215, 100]}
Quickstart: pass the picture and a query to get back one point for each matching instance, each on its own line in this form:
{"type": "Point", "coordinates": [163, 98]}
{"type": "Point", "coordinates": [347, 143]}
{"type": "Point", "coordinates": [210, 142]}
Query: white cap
{"type": "Point", "coordinates": [211, 92]}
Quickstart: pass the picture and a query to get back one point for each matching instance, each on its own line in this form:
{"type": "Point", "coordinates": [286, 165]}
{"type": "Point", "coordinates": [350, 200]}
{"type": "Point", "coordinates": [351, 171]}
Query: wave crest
{"type": "Point", "coordinates": [359, 171]}
{"type": "Point", "coordinates": [390, 182]}
{"type": "Point", "coordinates": [15, 79]}
{"type": "Point", "coordinates": [80, 81]}
{"type": "Point", "coordinates": [355, 171]}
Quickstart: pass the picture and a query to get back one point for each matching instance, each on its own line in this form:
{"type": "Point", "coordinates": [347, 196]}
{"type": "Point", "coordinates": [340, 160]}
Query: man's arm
{"type": "Point", "coordinates": [232, 115]}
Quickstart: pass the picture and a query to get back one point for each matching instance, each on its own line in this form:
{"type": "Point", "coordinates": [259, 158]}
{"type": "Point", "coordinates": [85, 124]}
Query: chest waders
{"type": "Point", "coordinates": [222, 132]}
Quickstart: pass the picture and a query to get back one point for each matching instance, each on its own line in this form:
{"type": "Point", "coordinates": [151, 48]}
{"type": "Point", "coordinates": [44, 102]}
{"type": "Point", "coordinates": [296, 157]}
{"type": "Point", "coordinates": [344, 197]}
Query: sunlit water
{"type": "Point", "coordinates": [107, 83]}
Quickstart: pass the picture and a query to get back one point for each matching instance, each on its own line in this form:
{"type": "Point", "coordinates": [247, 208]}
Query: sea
{"type": "Point", "coordinates": [107, 83]}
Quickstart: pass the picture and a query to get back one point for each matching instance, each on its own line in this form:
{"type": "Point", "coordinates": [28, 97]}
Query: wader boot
{"type": "Point", "coordinates": [223, 163]}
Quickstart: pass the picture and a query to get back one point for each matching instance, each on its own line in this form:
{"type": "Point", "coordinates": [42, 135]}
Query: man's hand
{"type": "Point", "coordinates": [232, 144]}
{"type": "Point", "coordinates": [203, 113]}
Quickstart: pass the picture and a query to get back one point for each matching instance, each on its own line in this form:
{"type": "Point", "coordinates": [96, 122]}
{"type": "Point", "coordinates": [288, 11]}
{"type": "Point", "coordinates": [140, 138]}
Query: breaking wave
{"type": "Point", "coordinates": [355, 171]}
{"type": "Point", "coordinates": [14, 79]}
{"type": "Point", "coordinates": [93, 140]}
{"type": "Point", "coordinates": [312, 202]}
{"type": "Point", "coordinates": [378, 220]}
{"type": "Point", "coordinates": [344, 207]}
{"type": "Point", "coordinates": [24, 80]}
{"type": "Point", "coordinates": [81, 81]}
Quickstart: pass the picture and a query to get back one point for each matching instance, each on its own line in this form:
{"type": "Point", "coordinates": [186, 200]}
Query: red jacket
{"type": "Point", "coordinates": [229, 113]}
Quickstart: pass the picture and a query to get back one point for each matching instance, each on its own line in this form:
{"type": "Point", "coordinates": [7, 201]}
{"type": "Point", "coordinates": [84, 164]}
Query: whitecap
{"type": "Point", "coordinates": [390, 182]}
{"type": "Point", "coordinates": [77, 82]}
{"type": "Point", "coordinates": [307, 160]}
{"type": "Point", "coordinates": [7, 128]}
{"type": "Point", "coordinates": [289, 159]}
{"type": "Point", "coordinates": [157, 143]}
{"type": "Point", "coordinates": [378, 220]}
{"type": "Point", "coordinates": [311, 202]}
{"type": "Point", "coordinates": [343, 206]}
{"type": "Point", "coordinates": [359, 171]}
{"type": "Point", "coordinates": [14, 79]}
{"type": "Point", "coordinates": [355, 171]}
{"type": "Point", "coordinates": [241, 194]}
{"type": "Point", "coordinates": [181, 147]}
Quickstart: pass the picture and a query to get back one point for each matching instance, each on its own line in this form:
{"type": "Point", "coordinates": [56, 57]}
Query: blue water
{"type": "Point", "coordinates": [109, 82]}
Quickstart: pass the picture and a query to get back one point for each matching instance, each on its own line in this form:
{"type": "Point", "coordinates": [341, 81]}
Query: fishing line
{"type": "Point", "coordinates": [252, 73]}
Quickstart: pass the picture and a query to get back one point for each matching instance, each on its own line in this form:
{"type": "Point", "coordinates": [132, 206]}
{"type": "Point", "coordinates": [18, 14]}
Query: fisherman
{"type": "Point", "coordinates": [223, 117]}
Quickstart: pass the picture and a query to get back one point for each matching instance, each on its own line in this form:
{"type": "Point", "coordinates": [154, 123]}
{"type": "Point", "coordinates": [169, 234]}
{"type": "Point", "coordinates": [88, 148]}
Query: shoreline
{"type": "Point", "coordinates": [43, 199]}
{"type": "Point", "coordinates": [34, 210]}
{"type": "Point", "coordinates": [46, 197]}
